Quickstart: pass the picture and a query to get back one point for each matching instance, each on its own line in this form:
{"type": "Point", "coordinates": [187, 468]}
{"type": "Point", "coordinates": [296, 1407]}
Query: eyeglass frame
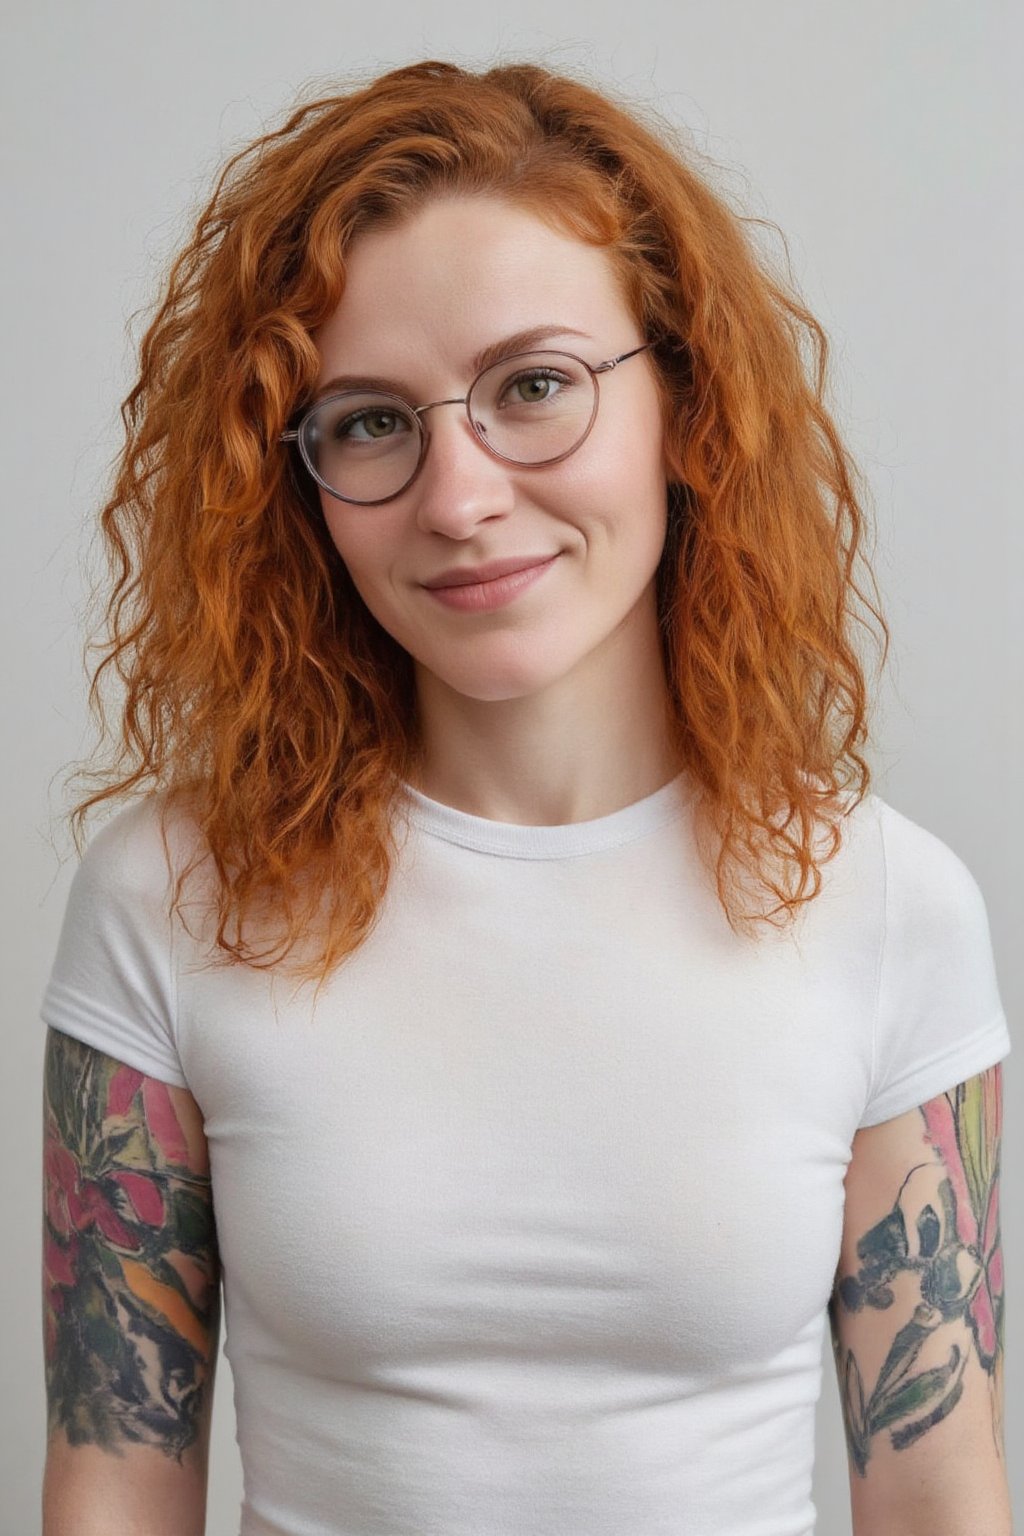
{"type": "Point", "coordinates": [294, 434]}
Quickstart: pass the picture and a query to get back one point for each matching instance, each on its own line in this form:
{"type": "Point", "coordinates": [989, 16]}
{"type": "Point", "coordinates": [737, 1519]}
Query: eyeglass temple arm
{"type": "Point", "coordinates": [613, 362]}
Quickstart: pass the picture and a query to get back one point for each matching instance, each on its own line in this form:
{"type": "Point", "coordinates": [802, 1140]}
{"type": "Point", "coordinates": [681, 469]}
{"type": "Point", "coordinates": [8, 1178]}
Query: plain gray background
{"type": "Point", "coordinates": [878, 134]}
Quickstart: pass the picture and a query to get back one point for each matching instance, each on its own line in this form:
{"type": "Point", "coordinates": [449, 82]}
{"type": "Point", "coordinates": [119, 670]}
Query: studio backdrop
{"type": "Point", "coordinates": [875, 147]}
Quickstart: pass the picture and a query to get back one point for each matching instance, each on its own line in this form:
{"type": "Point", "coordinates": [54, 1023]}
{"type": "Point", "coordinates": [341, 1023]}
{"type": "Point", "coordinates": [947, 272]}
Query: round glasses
{"type": "Point", "coordinates": [367, 446]}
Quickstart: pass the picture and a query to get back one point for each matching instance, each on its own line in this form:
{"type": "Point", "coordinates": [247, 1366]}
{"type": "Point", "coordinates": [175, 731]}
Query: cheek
{"type": "Point", "coordinates": [357, 540]}
{"type": "Point", "coordinates": [337, 523]}
{"type": "Point", "coordinates": [627, 445]}
{"type": "Point", "coordinates": [364, 545]}
{"type": "Point", "coordinates": [621, 493]}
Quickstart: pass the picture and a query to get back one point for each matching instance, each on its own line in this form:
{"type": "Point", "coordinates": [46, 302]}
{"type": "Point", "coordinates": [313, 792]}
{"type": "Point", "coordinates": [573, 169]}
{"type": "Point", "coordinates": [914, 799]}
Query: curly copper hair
{"type": "Point", "coordinates": [259, 690]}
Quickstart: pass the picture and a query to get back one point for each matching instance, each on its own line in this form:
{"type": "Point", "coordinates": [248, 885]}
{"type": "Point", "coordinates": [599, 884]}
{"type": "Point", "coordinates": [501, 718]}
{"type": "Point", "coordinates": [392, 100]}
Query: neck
{"type": "Point", "coordinates": [593, 740]}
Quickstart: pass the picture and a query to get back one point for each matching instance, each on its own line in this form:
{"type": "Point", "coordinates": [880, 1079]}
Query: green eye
{"type": "Point", "coordinates": [534, 389]}
{"type": "Point", "coordinates": [377, 424]}
{"type": "Point", "coordinates": [536, 385]}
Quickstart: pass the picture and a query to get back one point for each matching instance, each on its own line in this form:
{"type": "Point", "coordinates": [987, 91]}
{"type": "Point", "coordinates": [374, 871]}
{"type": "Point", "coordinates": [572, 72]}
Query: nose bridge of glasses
{"type": "Point", "coordinates": [418, 410]}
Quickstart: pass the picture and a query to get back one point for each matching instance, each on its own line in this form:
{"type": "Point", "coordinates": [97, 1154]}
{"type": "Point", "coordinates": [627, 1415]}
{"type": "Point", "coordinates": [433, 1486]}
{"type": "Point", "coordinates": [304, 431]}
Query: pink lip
{"type": "Point", "coordinates": [477, 596]}
{"type": "Point", "coordinates": [472, 575]}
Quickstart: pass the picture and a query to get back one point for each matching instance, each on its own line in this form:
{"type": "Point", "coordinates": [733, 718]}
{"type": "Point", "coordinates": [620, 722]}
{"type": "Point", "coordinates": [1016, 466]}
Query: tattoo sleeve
{"type": "Point", "coordinates": [131, 1300]}
{"type": "Point", "coordinates": [933, 1265]}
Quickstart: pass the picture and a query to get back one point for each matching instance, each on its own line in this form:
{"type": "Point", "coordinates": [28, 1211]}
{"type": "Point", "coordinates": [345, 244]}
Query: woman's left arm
{"type": "Point", "coordinates": [917, 1320]}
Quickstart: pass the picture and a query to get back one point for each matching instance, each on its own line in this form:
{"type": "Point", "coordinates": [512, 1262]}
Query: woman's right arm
{"type": "Point", "coordinates": [131, 1299]}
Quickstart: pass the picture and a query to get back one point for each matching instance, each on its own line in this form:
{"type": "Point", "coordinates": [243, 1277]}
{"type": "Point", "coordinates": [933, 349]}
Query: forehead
{"type": "Point", "coordinates": [460, 272]}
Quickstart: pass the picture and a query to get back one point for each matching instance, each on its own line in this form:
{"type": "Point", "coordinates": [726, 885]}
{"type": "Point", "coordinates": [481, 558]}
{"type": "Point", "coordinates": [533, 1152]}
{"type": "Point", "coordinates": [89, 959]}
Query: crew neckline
{"type": "Point", "coordinates": [570, 839]}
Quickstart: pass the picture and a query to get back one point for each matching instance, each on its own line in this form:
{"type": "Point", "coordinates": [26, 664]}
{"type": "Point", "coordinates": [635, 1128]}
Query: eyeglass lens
{"type": "Point", "coordinates": [529, 409]}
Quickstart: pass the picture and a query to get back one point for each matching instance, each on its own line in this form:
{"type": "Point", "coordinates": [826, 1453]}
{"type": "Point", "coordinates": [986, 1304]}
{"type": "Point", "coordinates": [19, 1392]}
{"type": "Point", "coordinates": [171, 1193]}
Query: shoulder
{"type": "Point", "coordinates": [936, 963]}
{"type": "Point", "coordinates": [126, 877]}
{"type": "Point", "coordinates": [909, 888]}
{"type": "Point", "coordinates": [926, 882]}
{"type": "Point", "coordinates": [938, 1016]}
{"type": "Point", "coordinates": [140, 846]}
{"type": "Point", "coordinates": [113, 980]}
{"type": "Point", "coordinates": [908, 866]}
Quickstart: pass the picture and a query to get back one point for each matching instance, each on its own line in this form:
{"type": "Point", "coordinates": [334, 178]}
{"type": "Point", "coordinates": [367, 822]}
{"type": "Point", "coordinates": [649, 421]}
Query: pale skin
{"type": "Point", "coordinates": [547, 711]}
{"type": "Point", "coordinates": [553, 708]}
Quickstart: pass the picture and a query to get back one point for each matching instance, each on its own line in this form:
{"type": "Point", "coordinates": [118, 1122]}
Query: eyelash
{"type": "Point", "coordinates": [343, 427]}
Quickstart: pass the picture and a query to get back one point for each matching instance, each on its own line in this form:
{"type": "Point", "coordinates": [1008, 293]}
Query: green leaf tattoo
{"type": "Point", "coordinates": [948, 1235]}
{"type": "Point", "coordinates": [131, 1300]}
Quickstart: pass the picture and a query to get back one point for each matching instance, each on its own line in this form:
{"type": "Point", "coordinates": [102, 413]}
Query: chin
{"type": "Point", "coordinates": [495, 685]}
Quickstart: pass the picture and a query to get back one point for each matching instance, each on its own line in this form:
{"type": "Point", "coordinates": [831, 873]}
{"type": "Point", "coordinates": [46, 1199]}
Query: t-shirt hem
{"type": "Point", "coordinates": [62, 1009]}
{"type": "Point", "coordinates": [943, 1072]}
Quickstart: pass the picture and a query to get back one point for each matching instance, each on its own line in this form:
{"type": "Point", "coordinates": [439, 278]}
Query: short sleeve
{"type": "Point", "coordinates": [939, 1015]}
{"type": "Point", "coordinates": [112, 984]}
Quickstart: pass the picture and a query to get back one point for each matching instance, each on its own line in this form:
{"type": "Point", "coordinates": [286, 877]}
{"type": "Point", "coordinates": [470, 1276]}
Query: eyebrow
{"type": "Point", "coordinates": [518, 341]}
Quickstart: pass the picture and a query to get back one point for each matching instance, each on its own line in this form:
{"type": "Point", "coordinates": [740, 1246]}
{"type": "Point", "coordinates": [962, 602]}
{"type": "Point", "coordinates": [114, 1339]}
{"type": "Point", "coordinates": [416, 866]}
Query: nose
{"type": "Point", "coordinates": [459, 484]}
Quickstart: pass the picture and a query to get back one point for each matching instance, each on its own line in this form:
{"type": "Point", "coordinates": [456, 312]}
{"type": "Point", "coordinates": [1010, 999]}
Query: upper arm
{"type": "Point", "coordinates": [131, 1301]}
{"type": "Point", "coordinates": [917, 1319]}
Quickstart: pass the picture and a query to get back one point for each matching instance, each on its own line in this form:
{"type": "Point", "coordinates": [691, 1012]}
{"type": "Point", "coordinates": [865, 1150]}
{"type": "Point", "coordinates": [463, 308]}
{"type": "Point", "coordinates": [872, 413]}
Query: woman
{"type": "Point", "coordinates": [484, 563]}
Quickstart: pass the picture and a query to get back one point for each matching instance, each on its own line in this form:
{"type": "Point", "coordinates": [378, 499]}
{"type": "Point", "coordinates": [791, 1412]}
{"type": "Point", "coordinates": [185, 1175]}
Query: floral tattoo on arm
{"type": "Point", "coordinates": [944, 1228]}
{"type": "Point", "coordinates": [131, 1301]}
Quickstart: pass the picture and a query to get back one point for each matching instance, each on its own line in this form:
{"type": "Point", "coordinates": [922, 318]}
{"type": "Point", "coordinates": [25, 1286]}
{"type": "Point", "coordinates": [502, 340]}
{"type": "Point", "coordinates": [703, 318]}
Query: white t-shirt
{"type": "Point", "coordinates": [530, 1227]}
